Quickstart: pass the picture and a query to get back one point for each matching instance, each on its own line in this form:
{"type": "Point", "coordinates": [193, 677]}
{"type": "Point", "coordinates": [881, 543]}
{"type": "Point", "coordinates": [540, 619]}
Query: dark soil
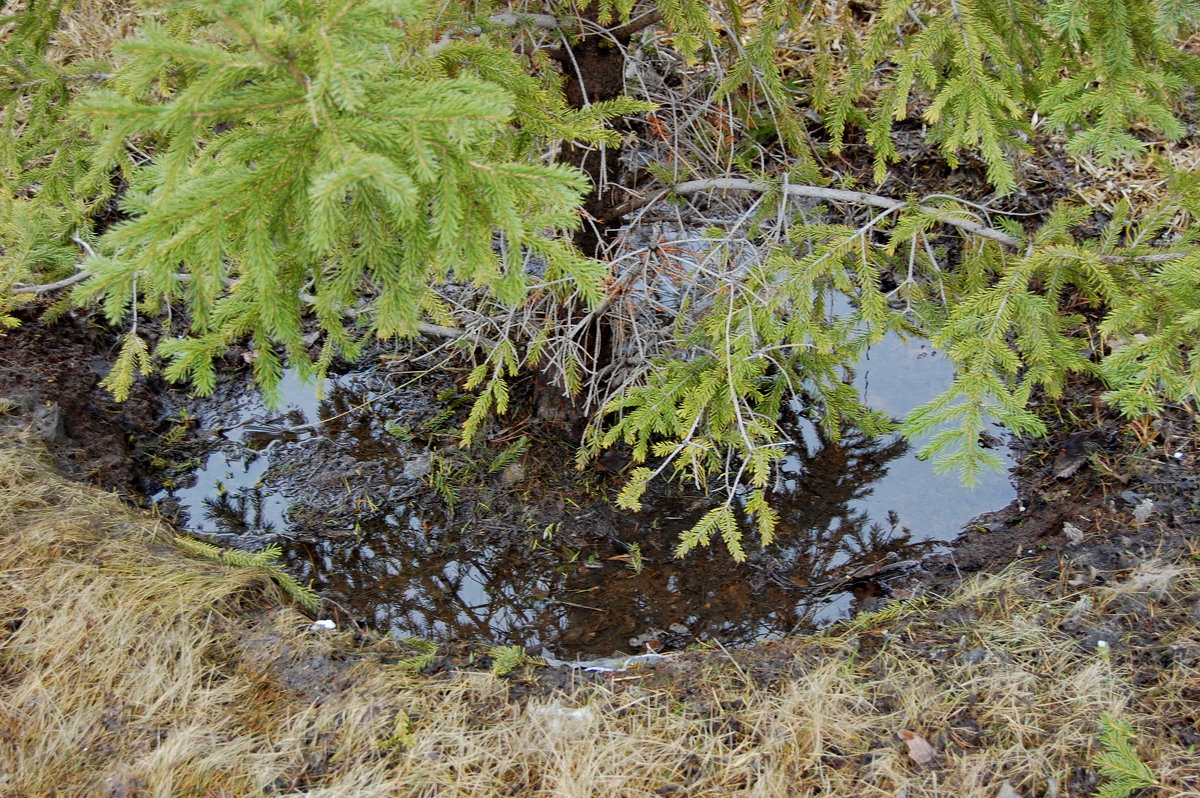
{"type": "Point", "coordinates": [50, 375]}
{"type": "Point", "coordinates": [1132, 495]}
{"type": "Point", "coordinates": [593, 69]}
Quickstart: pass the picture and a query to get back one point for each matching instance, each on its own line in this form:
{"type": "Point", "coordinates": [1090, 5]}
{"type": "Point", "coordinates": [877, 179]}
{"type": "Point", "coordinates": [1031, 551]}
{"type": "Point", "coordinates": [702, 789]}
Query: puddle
{"type": "Point", "coordinates": [536, 562]}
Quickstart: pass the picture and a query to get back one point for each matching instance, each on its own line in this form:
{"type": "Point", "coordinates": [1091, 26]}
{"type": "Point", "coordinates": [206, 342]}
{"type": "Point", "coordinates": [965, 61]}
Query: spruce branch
{"type": "Point", "coordinates": [267, 560]}
{"type": "Point", "coordinates": [1123, 770]}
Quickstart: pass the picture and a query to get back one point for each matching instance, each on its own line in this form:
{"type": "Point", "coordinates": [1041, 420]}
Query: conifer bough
{"type": "Point", "coordinates": [388, 167]}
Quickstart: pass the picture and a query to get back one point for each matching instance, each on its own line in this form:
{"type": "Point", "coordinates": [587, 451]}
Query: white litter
{"type": "Point", "coordinates": [323, 624]}
{"type": "Point", "coordinates": [605, 665]}
{"type": "Point", "coordinates": [558, 720]}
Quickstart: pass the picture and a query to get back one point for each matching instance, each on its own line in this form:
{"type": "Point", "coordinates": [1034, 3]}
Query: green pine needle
{"type": "Point", "coordinates": [1120, 766]}
{"type": "Point", "coordinates": [266, 560]}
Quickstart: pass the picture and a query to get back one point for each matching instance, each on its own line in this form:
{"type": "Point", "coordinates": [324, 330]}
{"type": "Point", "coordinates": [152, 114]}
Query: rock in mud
{"type": "Point", "coordinates": [48, 423]}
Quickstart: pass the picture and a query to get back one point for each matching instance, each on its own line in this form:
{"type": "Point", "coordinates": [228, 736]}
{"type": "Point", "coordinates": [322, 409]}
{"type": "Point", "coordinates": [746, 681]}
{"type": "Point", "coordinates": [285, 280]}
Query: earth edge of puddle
{"type": "Point", "coordinates": [540, 560]}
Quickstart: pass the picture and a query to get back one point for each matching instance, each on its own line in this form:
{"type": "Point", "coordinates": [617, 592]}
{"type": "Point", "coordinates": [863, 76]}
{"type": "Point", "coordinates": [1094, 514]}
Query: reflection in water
{"type": "Point", "coordinates": [820, 495]}
{"type": "Point", "coordinates": [394, 584]}
{"type": "Point", "coordinates": [822, 541]}
{"type": "Point", "coordinates": [417, 574]}
{"type": "Point", "coordinates": [240, 514]}
{"type": "Point", "coordinates": [848, 512]}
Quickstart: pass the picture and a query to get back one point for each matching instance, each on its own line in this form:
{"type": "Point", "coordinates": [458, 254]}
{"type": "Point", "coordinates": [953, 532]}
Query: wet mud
{"type": "Point", "coordinates": [372, 500]}
{"type": "Point", "coordinates": [1089, 512]}
{"type": "Point", "coordinates": [50, 378]}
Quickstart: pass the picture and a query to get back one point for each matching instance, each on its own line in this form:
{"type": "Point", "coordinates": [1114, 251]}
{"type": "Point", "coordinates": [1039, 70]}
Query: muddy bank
{"type": "Point", "coordinates": [50, 378]}
{"type": "Point", "coordinates": [374, 503]}
{"type": "Point", "coordinates": [1100, 495]}
{"type": "Point", "coordinates": [505, 544]}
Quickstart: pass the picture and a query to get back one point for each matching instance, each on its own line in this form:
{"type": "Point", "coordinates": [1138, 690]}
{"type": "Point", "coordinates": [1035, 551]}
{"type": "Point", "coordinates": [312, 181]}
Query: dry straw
{"type": "Point", "coordinates": [129, 667]}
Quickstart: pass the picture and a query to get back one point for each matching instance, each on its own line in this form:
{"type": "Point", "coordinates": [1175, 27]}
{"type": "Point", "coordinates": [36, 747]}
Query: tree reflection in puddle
{"type": "Point", "coordinates": [242, 516]}
{"type": "Point", "coordinates": [824, 539]}
{"type": "Point", "coordinates": [850, 512]}
{"type": "Point", "coordinates": [420, 574]}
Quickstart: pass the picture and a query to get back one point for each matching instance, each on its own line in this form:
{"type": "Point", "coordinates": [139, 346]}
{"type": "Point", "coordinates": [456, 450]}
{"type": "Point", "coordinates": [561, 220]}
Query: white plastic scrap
{"type": "Point", "coordinates": [323, 624]}
{"type": "Point", "coordinates": [557, 719]}
{"type": "Point", "coordinates": [1007, 790]}
{"type": "Point", "coordinates": [604, 665]}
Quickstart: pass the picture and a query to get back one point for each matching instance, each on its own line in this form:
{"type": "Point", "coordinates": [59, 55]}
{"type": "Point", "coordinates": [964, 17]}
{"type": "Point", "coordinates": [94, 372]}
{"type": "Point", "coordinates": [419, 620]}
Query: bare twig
{"type": "Point", "coordinates": [66, 282]}
{"type": "Point", "coordinates": [859, 198]}
{"type": "Point", "coordinates": [631, 27]}
{"type": "Point", "coordinates": [512, 20]}
{"type": "Point", "coordinates": [812, 192]}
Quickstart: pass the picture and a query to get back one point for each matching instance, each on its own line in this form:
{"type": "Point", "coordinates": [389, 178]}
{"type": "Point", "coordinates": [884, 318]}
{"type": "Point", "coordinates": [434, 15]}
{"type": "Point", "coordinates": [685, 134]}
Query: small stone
{"type": "Point", "coordinates": [1007, 791]}
{"type": "Point", "coordinates": [512, 473]}
{"type": "Point", "coordinates": [974, 656]}
{"type": "Point", "coordinates": [418, 466]}
{"type": "Point", "coordinates": [1131, 497]}
{"type": "Point", "coordinates": [1106, 635]}
{"type": "Point", "coordinates": [48, 423]}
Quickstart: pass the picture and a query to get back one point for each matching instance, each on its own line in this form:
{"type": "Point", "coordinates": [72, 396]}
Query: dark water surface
{"type": "Point", "coordinates": [350, 502]}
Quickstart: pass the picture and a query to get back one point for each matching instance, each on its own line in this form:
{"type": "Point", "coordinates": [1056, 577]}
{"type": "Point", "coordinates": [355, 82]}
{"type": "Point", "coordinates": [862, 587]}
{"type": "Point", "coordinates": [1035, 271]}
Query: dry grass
{"type": "Point", "coordinates": [130, 668]}
{"type": "Point", "coordinates": [90, 28]}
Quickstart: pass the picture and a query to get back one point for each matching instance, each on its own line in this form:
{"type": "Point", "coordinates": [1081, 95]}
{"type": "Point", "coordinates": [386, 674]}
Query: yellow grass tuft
{"type": "Point", "coordinates": [90, 28]}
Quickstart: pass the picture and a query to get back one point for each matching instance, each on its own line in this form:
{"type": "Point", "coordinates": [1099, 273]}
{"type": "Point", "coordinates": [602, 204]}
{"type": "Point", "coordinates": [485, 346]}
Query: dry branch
{"type": "Point", "coordinates": [693, 187]}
